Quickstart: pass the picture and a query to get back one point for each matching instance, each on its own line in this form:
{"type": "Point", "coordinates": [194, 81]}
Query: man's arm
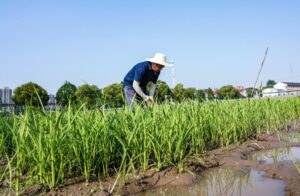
{"type": "Point", "coordinates": [138, 90]}
{"type": "Point", "coordinates": [152, 89]}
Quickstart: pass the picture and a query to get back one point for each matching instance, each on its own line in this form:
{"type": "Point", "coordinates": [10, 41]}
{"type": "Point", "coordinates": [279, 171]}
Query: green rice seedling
{"type": "Point", "coordinates": [47, 147]}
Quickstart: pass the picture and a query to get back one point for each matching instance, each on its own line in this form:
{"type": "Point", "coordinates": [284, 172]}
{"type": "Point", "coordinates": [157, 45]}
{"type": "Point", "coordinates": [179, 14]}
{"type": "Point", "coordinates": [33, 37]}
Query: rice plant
{"type": "Point", "coordinates": [47, 147]}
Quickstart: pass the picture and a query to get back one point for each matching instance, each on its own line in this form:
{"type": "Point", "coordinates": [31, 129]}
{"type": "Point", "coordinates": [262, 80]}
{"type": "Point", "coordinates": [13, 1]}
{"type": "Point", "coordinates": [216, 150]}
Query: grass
{"type": "Point", "coordinates": [46, 147]}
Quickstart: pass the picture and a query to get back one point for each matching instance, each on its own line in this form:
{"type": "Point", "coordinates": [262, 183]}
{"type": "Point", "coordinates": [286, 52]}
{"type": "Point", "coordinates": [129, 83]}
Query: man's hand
{"type": "Point", "coordinates": [149, 100]}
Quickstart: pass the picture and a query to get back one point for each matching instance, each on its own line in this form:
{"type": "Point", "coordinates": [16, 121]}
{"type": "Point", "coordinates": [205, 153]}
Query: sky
{"type": "Point", "coordinates": [212, 43]}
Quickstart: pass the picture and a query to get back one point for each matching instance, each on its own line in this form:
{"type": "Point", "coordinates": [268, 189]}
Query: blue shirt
{"type": "Point", "coordinates": [143, 73]}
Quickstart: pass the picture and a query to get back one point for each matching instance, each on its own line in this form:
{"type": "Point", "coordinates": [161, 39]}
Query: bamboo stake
{"type": "Point", "coordinates": [262, 64]}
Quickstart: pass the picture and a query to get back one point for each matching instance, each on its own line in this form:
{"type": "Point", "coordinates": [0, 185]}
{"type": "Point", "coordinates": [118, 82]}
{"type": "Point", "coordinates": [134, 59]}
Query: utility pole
{"type": "Point", "coordinates": [262, 64]}
{"type": "Point", "coordinates": [173, 74]}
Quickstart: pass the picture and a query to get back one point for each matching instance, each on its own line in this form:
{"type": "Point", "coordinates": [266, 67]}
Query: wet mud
{"type": "Point", "coordinates": [225, 182]}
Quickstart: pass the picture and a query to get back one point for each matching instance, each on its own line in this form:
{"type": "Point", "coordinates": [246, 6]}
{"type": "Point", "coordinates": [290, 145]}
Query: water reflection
{"type": "Point", "coordinates": [225, 182]}
{"type": "Point", "coordinates": [290, 137]}
{"type": "Point", "coordinates": [277, 155]}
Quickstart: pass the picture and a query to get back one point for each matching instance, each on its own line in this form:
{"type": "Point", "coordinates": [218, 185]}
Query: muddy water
{"type": "Point", "coordinates": [290, 137]}
{"type": "Point", "coordinates": [225, 182]}
{"type": "Point", "coordinates": [277, 155]}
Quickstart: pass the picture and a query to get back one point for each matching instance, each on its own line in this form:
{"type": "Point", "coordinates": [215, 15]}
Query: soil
{"type": "Point", "coordinates": [233, 156]}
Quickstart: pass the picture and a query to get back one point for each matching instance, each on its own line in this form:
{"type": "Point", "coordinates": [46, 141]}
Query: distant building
{"type": "Point", "coordinates": [241, 90]}
{"type": "Point", "coordinates": [51, 100]}
{"type": "Point", "coordinates": [51, 103]}
{"type": "Point", "coordinates": [6, 103]}
{"type": "Point", "coordinates": [1, 92]}
{"type": "Point", "coordinates": [282, 89]}
{"type": "Point", "coordinates": [287, 86]}
{"type": "Point", "coordinates": [215, 92]}
{"type": "Point", "coordinates": [272, 92]}
{"type": "Point", "coordinates": [6, 97]}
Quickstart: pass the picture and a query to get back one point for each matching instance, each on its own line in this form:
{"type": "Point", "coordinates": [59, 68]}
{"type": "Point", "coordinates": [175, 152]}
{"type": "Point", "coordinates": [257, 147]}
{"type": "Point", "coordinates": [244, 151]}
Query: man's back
{"type": "Point", "coordinates": [142, 73]}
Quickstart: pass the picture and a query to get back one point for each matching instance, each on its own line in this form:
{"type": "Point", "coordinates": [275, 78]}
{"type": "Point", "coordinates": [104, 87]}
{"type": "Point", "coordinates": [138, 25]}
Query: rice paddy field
{"type": "Point", "coordinates": [45, 148]}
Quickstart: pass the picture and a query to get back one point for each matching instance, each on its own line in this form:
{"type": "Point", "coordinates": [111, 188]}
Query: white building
{"type": "Point", "coordinates": [287, 86]}
{"type": "Point", "coordinates": [282, 89]}
{"type": "Point", "coordinates": [272, 92]}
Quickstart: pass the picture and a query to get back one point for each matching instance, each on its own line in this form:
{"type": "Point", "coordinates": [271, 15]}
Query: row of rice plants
{"type": "Point", "coordinates": [44, 148]}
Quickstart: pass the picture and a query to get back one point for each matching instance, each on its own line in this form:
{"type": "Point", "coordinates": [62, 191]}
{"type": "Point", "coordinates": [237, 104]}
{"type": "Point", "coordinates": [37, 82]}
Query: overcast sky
{"type": "Point", "coordinates": [212, 43]}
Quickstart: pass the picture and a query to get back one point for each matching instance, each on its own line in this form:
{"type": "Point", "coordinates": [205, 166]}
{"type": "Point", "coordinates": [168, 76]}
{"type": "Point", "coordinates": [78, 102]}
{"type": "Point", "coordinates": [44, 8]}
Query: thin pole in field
{"type": "Point", "coordinates": [262, 64]}
{"type": "Point", "coordinates": [173, 74]}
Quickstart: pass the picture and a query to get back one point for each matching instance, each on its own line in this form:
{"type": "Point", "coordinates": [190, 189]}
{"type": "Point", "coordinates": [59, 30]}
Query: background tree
{"type": "Point", "coordinates": [89, 94]}
{"type": "Point", "coordinates": [200, 95]}
{"type": "Point", "coordinates": [178, 92]}
{"type": "Point", "coordinates": [113, 95]}
{"type": "Point", "coordinates": [210, 94]}
{"type": "Point", "coordinates": [190, 93]}
{"type": "Point", "coordinates": [66, 94]}
{"type": "Point", "coordinates": [30, 93]}
{"type": "Point", "coordinates": [249, 92]}
{"type": "Point", "coordinates": [162, 92]}
{"type": "Point", "coordinates": [270, 84]}
{"type": "Point", "coordinates": [229, 92]}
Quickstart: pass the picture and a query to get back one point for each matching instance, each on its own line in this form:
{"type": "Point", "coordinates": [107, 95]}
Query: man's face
{"type": "Point", "coordinates": [157, 67]}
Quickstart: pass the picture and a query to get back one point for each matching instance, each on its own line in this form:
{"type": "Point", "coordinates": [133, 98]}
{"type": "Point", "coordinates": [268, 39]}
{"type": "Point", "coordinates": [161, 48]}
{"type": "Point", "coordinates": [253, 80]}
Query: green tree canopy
{"type": "Point", "coordinates": [66, 94]}
{"type": "Point", "coordinates": [228, 92]}
{"type": "Point", "coordinates": [200, 95]}
{"type": "Point", "coordinates": [210, 94]}
{"type": "Point", "coordinates": [249, 91]}
{"type": "Point", "coordinates": [178, 92]}
{"type": "Point", "coordinates": [190, 93]}
{"type": "Point", "coordinates": [162, 91]}
{"type": "Point", "coordinates": [30, 93]}
{"type": "Point", "coordinates": [89, 94]}
{"type": "Point", "coordinates": [113, 95]}
{"type": "Point", "coordinates": [270, 83]}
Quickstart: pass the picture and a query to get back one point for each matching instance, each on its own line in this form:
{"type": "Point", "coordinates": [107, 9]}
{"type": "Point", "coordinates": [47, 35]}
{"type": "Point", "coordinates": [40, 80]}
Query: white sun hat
{"type": "Point", "coordinates": [161, 59]}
